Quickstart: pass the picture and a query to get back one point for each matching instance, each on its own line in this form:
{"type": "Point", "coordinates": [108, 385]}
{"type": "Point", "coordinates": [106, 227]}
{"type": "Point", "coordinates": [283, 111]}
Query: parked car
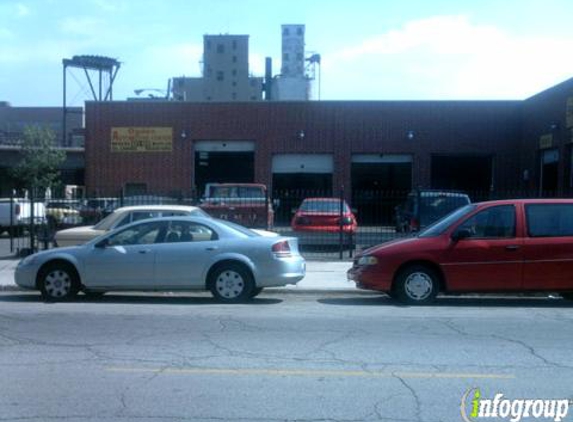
{"type": "Point", "coordinates": [16, 215]}
{"type": "Point", "coordinates": [320, 220]}
{"type": "Point", "coordinates": [172, 253]}
{"type": "Point", "coordinates": [62, 213]}
{"type": "Point", "coordinates": [94, 209]}
{"type": "Point", "coordinates": [120, 217]}
{"type": "Point", "coordinates": [423, 207]}
{"type": "Point", "coordinates": [496, 246]}
{"type": "Point", "coordinates": [242, 203]}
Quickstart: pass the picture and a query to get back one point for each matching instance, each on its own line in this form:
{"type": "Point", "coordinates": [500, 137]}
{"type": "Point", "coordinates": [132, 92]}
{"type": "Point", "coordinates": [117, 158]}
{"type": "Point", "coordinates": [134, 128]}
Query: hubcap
{"type": "Point", "coordinates": [58, 283]}
{"type": "Point", "coordinates": [418, 285]}
{"type": "Point", "coordinates": [230, 284]}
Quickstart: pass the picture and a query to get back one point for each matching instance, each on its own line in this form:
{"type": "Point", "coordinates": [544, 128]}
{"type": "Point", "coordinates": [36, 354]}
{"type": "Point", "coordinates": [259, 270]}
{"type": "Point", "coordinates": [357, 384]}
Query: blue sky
{"type": "Point", "coordinates": [371, 49]}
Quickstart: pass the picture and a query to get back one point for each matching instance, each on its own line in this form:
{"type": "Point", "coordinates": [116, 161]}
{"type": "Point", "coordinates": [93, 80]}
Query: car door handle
{"type": "Point", "coordinates": [512, 247]}
{"type": "Point", "coordinates": [144, 251]}
{"type": "Point", "coordinates": [211, 248]}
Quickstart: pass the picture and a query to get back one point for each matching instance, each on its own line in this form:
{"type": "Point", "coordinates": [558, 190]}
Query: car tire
{"type": "Point", "coordinates": [231, 283]}
{"type": "Point", "coordinates": [256, 291]}
{"type": "Point", "coordinates": [416, 285]}
{"type": "Point", "coordinates": [58, 281]}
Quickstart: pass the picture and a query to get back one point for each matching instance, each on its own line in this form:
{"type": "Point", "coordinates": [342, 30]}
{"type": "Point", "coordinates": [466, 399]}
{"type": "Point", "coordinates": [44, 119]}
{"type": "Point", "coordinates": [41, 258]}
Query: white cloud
{"type": "Point", "coordinates": [22, 10]}
{"type": "Point", "coordinates": [445, 57]}
{"type": "Point", "coordinates": [82, 25]}
{"type": "Point", "coordinates": [109, 6]}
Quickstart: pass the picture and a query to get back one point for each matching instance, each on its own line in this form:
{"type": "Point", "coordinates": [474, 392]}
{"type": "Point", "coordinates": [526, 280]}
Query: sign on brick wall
{"type": "Point", "coordinates": [141, 139]}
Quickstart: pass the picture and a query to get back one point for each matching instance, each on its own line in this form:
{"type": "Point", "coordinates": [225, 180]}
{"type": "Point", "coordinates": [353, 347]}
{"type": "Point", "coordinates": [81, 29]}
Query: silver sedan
{"type": "Point", "coordinates": [174, 253]}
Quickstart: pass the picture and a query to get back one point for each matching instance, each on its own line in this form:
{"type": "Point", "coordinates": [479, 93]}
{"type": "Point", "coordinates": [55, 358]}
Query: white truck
{"type": "Point", "coordinates": [15, 215]}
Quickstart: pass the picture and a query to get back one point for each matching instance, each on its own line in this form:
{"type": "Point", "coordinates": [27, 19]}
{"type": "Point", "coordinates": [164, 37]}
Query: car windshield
{"type": "Point", "coordinates": [237, 192]}
{"type": "Point", "coordinates": [106, 223]}
{"type": "Point", "coordinates": [323, 206]}
{"type": "Point", "coordinates": [445, 223]}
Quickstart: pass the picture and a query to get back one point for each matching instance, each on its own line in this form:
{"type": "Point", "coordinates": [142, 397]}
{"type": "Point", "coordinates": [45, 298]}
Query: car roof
{"type": "Point", "coordinates": [322, 199]}
{"type": "Point", "coordinates": [156, 208]}
{"type": "Point", "coordinates": [526, 201]}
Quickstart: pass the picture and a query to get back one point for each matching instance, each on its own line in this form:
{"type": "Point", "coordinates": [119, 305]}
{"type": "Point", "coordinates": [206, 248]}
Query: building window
{"type": "Point", "coordinates": [209, 72]}
{"type": "Point", "coordinates": [285, 56]}
{"type": "Point", "coordinates": [234, 83]}
{"type": "Point", "coordinates": [234, 59]}
{"type": "Point", "coordinates": [299, 31]}
{"type": "Point", "coordinates": [220, 48]}
{"type": "Point", "coordinates": [253, 98]}
{"type": "Point", "coordinates": [299, 56]}
{"type": "Point", "coordinates": [234, 95]}
{"type": "Point", "coordinates": [234, 72]}
{"type": "Point", "coordinates": [285, 31]}
{"type": "Point", "coordinates": [208, 44]}
{"type": "Point", "coordinates": [208, 98]}
{"type": "Point", "coordinates": [220, 75]}
{"type": "Point", "coordinates": [234, 44]}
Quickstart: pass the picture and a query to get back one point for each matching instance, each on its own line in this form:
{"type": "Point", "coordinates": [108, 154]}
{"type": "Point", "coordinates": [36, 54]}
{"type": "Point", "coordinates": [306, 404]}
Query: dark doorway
{"type": "Point", "coordinates": [291, 188]}
{"type": "Point", "coordinates": [223, 167]}
{"type": "Point", "coordinates": [549, 173]}
{"type": "Point", "coordinates": [471, 174]}
{"type": "Point", "coordinates": [377, 188]}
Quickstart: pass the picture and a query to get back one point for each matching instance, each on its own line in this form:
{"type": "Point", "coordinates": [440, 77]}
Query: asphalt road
{"type": "Point", "coordinates": [283, 357]}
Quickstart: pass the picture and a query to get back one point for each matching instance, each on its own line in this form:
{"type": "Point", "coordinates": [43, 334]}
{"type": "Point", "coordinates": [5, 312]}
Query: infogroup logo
{"type": "Point", "coordinates": [474, 407]}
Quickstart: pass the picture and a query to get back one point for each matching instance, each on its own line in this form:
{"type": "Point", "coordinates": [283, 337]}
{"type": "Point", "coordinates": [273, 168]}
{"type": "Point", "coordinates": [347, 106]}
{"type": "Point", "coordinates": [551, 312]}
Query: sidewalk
{"type": "Point", "coordinates": [320, 275]}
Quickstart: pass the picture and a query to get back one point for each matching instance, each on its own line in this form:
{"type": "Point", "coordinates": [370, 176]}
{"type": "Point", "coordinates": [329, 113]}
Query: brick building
{"type": "Point", "coordinates": [177, 147]}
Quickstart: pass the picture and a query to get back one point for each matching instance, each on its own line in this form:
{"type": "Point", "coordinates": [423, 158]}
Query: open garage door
{"type": "Point", "coordinates": [224, 162]}
{"type": "Point", "coordinates": [298, 176]}
{"type": "Point", "coordinates": [379, 183]}
{"type": "Point", "coordinates": [469, 173]}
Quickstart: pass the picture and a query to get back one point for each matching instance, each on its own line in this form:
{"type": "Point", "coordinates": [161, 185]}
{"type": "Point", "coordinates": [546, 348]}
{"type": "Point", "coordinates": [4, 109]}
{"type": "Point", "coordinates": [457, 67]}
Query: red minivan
{"type": "Point", "coordinates": [496, 246]}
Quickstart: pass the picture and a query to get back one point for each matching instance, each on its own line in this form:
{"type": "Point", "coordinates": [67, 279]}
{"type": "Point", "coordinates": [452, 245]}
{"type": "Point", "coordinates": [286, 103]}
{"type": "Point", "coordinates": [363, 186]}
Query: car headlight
{"type": "Point", "coordinates": [29, 260]}
{"type": "Point", "coordinates": [367, 260]}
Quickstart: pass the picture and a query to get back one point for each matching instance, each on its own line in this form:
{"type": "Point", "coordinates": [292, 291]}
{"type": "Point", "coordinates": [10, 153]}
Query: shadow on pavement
{"type": "Point", "coordinates": [457, 301]}
{"type": "Point", "coordinates": [143, 299]}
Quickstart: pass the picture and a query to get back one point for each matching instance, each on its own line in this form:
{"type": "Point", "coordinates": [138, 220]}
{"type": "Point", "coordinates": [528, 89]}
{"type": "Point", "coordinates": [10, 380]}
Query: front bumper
{"type": "Point", "coordinates": [25, 276]}
{"type": "Point", "coordinates": [369, 278]}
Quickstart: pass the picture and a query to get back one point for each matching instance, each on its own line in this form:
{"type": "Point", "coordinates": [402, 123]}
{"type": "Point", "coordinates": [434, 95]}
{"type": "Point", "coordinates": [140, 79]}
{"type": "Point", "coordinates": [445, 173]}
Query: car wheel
{"type": "Point", "coordinates": [256, 291]}
{"type": "Point", "coordinates": [231, 283]}
{"type": "Point", "coordinates": [416, 285]}
{"type": "Point", "coordinates": [58, 281]}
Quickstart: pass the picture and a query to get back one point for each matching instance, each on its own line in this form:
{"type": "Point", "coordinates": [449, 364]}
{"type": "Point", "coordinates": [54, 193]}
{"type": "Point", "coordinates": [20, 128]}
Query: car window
{"type": "Point", "coordinates": [443, 224]}
{"type": "Point", "coordinates": [134, 216]}
{"type": "Point", "coordinates": [494, 222]}
{"type": "Point", "coordinates": [549, 220]}
{"type": "Point", "coordinates": [140, 234]}
{"type": "Point", "coordinates": [323, 206]}
{"type": "Point", "coordinates": [184, 231]}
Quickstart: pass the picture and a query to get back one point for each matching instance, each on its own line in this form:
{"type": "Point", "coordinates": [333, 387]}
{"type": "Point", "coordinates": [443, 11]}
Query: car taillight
{"type": "Point", "coordinates": [281, 249]}
{"type": "Point", "coordinates": [17, 209]}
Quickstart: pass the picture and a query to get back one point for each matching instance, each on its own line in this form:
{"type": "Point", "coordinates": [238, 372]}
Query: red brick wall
{"type": "Point", "coordinates": [339, 128]}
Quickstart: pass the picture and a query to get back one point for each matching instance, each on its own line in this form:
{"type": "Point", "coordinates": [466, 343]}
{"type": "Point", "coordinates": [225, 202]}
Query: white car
{"type": "Point", "coordinates": [121, 217]}
{"type": "Point", "coordinates": [171, 254]}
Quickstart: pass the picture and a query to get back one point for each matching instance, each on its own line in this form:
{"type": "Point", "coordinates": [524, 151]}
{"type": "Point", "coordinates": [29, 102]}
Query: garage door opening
{"type": "Point", "coordinates": [223, 162]}
{"type": "Point", "coordinates": [549, 173]}
{"type": "Point", "coordinates": [299, 176]}
{"type": "Point", "coordinates": [471, 174]}
{"type": "Point", "coordinates": [379, 182]}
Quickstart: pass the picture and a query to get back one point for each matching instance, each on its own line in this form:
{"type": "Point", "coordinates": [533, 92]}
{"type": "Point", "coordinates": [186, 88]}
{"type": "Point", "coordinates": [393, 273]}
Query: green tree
{"type": "Point", "coordinates": [38, 167]}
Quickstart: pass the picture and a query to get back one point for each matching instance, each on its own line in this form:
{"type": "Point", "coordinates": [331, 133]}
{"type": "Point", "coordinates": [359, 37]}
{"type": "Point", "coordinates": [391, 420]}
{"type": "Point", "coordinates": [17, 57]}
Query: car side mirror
{"type": "Point", "coordinates": [461, 234]}
{"type": "Point", "coordinates": [102, 244]}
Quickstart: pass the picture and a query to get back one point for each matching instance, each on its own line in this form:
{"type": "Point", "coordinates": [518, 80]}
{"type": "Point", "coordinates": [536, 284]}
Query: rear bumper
{"type": "Point", "coordinates": [282, 272]}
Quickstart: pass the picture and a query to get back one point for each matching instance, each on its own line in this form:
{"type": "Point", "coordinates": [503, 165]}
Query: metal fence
{"type": "Point", "coordinates": [327, 226]}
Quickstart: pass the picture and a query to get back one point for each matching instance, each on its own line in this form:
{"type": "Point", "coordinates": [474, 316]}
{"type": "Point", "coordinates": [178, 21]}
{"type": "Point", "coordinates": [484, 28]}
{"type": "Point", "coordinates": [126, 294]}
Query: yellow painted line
{"type": "Point", "coordinates": [307, 373]}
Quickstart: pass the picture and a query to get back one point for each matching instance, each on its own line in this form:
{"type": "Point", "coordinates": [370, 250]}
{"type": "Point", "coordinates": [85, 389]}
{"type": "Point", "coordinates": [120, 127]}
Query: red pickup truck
{"type": "Point", "coordinates": [242, 203]}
